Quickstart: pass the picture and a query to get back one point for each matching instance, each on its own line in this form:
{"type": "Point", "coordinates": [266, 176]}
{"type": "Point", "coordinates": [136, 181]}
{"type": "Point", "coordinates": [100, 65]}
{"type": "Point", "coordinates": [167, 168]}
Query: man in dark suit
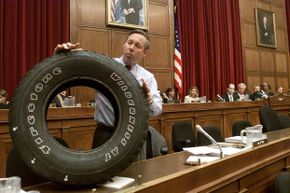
{"type": "Point", "coordinates": [229, 95]}
{"type": "Point", "coordinates": [265, 33]}
{"type": "Point", "coordinates": [131, 10]}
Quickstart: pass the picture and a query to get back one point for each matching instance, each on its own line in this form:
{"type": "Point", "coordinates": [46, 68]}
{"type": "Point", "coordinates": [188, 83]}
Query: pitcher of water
{"type": "Point", "coordinates": [253, 134]}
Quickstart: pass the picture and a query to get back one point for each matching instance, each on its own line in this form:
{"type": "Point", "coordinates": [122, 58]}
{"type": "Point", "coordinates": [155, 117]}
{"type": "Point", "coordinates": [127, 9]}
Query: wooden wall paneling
{"type": "Point", "coordinates": [281, 62]}
{"type": "Point", "coordinates": [281, 37]}
{"type": "Point", "coordinates": [280, 18]}
{"type": "Point", "coordinates": [97, 40]}
{"type": "Point", "coordinates": [164, 79]}
{"type": "Point", "coordinates": [252, 60]}
{"type": "Point", "coordinates": [158, 26]}
{"type": "Point", "coordinates": [247, 9]}
{"type": "Point", "coordinates": [83, 94]}
{"type": "Point", "coordinates": [267, 61]}
{"type": "Point", "coordinates": [92, 12]}
{"type": "Point", "coordinates": [117, 41]}
{"type": "Point", "coordinates": [250, 34]}
{"type": "Point", "coordinates": [156, 59]}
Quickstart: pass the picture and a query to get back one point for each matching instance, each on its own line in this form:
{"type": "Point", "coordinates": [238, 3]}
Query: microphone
{"type": "Point", "coordinates": [220, 98]}
{"type": "Point", "coordinates": [199, 128]}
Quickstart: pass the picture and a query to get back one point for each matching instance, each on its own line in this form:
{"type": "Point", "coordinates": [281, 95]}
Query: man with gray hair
{"type": "Point", "coordinates": [241, 95]}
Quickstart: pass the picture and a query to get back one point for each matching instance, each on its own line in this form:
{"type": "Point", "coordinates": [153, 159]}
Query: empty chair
{"type": "Point", "coordinates": [284, 120]}
{"type": "Point", "coordinates": [282, 182]}
{"type": "Point", "coordinates": [240, 125]}
{"type": "Point", "coordinates": [213, 131]}
{"type": "Point", "coordinates": [269, 119]}
{"type": "Point", "coordinates": [16, 167]}
{"type": "Point", "coordinates": [182, 135]}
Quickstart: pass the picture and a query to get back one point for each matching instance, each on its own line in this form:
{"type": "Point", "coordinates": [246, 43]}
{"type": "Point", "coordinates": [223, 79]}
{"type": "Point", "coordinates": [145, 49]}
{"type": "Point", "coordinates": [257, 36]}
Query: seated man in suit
{"type": "Point", "coordinates": [229, 95]}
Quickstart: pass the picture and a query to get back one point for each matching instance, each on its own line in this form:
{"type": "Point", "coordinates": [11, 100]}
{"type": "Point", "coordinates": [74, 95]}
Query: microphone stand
{"type": "Point", "coordinates": [199, 128]}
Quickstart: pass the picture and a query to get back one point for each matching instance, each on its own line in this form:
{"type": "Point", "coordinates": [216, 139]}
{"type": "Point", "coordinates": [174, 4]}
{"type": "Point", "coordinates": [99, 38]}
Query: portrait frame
{"type": "Point", "coordinates": [266, 28]}
{"type": "Point", "coordinates": [120, 14]}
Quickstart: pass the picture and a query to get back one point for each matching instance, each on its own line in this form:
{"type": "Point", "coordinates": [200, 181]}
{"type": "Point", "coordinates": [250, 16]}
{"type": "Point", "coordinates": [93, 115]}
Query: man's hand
{"type": "Point", "coordinates": [64, 47]}
{"type": "Point", "coordinates": [147, 91]}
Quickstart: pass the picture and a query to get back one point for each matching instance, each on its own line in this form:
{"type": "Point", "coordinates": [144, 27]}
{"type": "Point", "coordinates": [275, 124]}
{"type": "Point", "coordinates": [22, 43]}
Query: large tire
{"type": "Point", "coordinates": [46, 157]}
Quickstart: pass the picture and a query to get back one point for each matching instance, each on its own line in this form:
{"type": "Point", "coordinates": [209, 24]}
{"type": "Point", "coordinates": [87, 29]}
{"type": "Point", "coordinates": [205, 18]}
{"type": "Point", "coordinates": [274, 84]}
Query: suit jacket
{"type": "Point", "coordinates": [132, 18]}
{"type": "Point", "coordinates": [227, 99]}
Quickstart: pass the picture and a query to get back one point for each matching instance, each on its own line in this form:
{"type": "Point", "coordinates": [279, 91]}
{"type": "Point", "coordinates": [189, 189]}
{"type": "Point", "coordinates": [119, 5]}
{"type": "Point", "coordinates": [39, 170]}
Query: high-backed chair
{"type": "Point", "coordinates": [269, 119]}
{"type": "Point", "coordinates": [284, 120]}
{"type": "Point", "coordinates": [182, 135]}
{"type": "Point", "coordinates": [240, 125]}
{"type": "Point", "coordinates": [213, 131]}
{"type": "Point", "coordinates": [282, 182]}
{"type": "Point", "coordinates": [16, 167]}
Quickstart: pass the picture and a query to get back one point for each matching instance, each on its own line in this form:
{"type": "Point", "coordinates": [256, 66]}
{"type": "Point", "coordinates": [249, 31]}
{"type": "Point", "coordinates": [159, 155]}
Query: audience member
{"type": "Point", "coordinates": [59, 99]}
{"type": "Point", "coordinates": [241, 95]}
{"type": "Point", "coordinates": [257, 94]}
{"type": "Point", "coordinates": [229, 95]}
{"type": "Point", "coordinates": [170, 96]}
{"type": "Point", "coordinates": [4, 103]}
{"type": "Point", "coordinates": [280, 90]}
{"type": "Point", "coordinates": [265, 90]}
{"type": "Point", "coordinates": [192, 96]}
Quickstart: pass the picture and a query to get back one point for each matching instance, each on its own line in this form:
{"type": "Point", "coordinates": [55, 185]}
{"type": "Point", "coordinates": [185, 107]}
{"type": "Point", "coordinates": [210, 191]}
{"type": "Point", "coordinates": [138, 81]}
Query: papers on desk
{"type": "Point", "coordinates": [213, 150]}
{"type": "Point", "coordinates": [235, 139]}
{"type": "Point", "coordinates": [118, 182]}
{"type": "Point", "coordinates": [197, 160]}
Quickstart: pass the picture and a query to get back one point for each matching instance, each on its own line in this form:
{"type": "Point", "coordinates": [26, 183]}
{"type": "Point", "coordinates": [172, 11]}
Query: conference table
{"type": "Point", "coordinates": [253, 170]}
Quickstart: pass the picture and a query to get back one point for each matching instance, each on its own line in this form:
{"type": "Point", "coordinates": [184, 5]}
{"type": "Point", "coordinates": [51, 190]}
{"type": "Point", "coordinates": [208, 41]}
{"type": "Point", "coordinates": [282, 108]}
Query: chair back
{"type": "Point", "coordinates": [282, 182]}
{"type": "Point", "coordinates": [240, 125]}
{"type": "Point", "coordinates": [284, 120]}
{"type": "Point", "coordinates": [182, 135]}
{"type": "Point", "coordinates": [269, 119]}
{"type": "Point", "coordinates": [213, 131]}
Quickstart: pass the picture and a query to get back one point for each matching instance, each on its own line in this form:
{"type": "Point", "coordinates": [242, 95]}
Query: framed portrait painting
{"type": "Point", "coordinates": [265, 27]}
{"type": "Point", "coordinates": [127, 13]}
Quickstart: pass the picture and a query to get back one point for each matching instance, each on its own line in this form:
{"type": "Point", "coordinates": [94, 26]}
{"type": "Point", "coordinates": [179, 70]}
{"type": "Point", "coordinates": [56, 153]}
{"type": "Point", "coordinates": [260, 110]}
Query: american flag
{"type": "Point", "coordinates": [177, 58]}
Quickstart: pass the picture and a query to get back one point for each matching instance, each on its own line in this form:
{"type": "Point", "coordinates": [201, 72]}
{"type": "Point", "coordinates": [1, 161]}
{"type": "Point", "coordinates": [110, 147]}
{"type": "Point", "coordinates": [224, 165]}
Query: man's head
{"type": "Point", "coordinates": [3, 96]}
{"type": "Point", "coordinates": [241, 88]}
{"type": "Point", "coordinates": [265, 20]}
{"type": "Point", "coordinates": [135, 47]}
{"type": "Point", "coordinates": [231, 88]}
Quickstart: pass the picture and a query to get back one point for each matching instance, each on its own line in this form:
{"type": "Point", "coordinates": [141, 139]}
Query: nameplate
{"type": "Point", "coordinates": [260, 142]}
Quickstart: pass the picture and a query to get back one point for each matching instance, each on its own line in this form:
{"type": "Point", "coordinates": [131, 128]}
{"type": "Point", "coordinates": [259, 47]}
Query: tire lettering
{"type": "Point", "coordinates": [39, 87]}
{"type": "Point", "coordinates": [45, 149]}
{"type": "Point", "coordinates": [31, 107]}
{"type": "Point", "coordinates": [31, 119]}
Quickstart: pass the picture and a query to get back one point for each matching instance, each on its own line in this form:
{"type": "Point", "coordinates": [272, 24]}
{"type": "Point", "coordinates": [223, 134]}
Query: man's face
{"type": "Point", "coordinates": [241, 89]}
{"type": "Point", "coordinates": [265, 20]}
{"type": "Point", "coordinates": [231, 89]}
{"type": "Point", "coordinates": [133, 49]}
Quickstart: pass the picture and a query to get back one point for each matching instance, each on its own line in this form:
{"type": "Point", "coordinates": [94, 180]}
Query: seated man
{"type": "Point", "coordinates": [229, 95]}
{"type": "Point", "coordinates": [135, 48]}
